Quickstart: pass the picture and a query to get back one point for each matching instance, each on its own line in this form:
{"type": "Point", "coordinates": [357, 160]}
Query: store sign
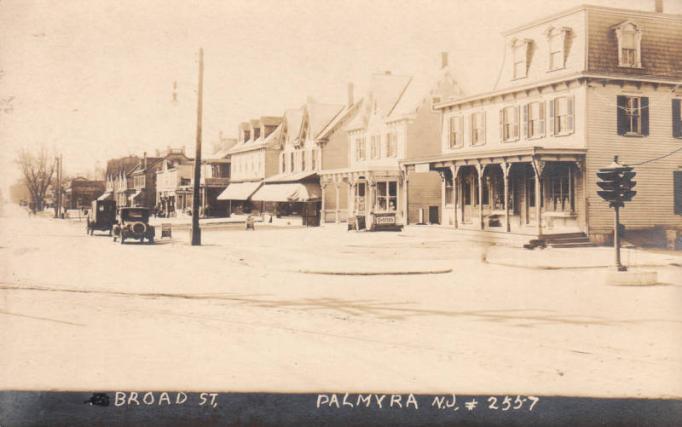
{"type": "Point", "coordinates": [385, 219]}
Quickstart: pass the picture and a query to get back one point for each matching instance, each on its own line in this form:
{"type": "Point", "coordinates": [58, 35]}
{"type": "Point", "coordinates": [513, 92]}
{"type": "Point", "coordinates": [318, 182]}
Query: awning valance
{"type": "Point", "coordinates": [106, 196]}
{"type": "Point", "coordinates": [239, 191]}
{"type": "Point", "coordinates": [290, 192]}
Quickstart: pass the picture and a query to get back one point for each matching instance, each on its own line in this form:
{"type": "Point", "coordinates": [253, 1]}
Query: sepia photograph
{"type": "Point", "coordinates": [340, 213]}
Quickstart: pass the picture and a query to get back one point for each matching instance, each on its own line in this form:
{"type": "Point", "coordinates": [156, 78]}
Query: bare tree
{"type": "Point", "coordinates": [38, 168]}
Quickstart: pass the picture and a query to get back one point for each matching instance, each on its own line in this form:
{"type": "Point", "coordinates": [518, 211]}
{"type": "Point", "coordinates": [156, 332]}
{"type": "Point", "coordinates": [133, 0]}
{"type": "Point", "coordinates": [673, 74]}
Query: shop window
{"type": "Point", "coordinates": [633, 115]}
{"type": "Point", "coordinates": [558, 189]}
{"type": "Point", "coordinates": [387, 196]}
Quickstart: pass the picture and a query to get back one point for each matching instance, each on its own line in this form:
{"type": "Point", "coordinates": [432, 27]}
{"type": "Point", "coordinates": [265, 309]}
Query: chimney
{"type": "Point", "coordinates": [443, 60]}
{"type": "Point", "coordinates": [659, 6]}
{"type": "Point", "coordinates": [144, 160]}
{"type": "Point", "coordinates": [351, 100]}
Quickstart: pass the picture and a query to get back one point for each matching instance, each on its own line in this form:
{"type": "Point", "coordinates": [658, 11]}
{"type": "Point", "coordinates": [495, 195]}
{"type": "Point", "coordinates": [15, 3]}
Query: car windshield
{"type": "Point", "coordinates": [134, 215]}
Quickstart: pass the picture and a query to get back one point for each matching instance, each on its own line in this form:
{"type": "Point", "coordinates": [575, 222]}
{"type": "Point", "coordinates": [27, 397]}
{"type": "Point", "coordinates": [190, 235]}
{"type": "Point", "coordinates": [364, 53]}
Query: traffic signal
{"type": "Point", "coordinates": [616, 184]}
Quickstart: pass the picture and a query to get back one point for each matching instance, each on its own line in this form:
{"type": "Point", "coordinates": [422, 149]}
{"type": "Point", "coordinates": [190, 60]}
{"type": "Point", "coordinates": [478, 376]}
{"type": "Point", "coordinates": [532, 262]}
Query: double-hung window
{"type": "Point", "coordinates": [360, 148]}
{"type": "Point", "coordinates": [633, 115]}
{"type": "Point", "coordinates": [375, 147]}
{"type": "Point", "coordinates": [478, 128]}
{"type": "Point", "coordinates": [509, 123]}
{"type": "Point", "coordinates": [561, 115]}
{"type": "Point", "coordinates": [629, 42]}
{"type": "Point", "coordinates": [456, 132]}
{"type": "Point", "coordinates": [534, 119]}
{"type": "Point", "coordinates": [391, 145]}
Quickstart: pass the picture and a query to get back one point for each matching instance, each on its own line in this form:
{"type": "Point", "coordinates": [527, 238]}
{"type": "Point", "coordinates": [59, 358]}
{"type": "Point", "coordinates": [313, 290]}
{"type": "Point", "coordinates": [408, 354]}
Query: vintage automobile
{"type": "Point", "coordinates": [102, 216]}
{"type": "Point", "coordinates": [133, 223]}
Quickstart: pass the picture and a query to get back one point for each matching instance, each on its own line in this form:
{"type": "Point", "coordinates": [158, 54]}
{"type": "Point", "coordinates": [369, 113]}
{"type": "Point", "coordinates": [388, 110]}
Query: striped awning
{"type": "Point", "coordinates": [289, 192]}
{"type": "Point", "coordinates": [239, 191]}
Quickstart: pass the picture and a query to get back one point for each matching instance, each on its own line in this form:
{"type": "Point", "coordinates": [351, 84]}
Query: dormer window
{"type": "Point", "coordinates": [556, 41]}
{"type": "Point", "coordinates": [520, 58]}
{"type": "Point", "coordinates": [247, 135]}
{"type": "Point", "coordinates": [629, 41]}
{"type": "Point", "coordinates": [256, 133]}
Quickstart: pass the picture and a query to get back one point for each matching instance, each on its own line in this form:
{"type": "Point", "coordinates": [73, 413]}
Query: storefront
{"type": "Point", "coordinates": [294, 198]}
{"type": "Point", "coordinates": [238, 195]}
{"type": "Point", "coordinates": [531, 191]}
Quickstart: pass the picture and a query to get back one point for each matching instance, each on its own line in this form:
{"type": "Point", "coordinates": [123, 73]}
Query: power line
{"type": "Point", "coordinates": [657, 158]}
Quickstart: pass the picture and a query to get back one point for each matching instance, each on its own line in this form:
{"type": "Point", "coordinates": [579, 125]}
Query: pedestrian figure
{"type": "Point", "coordinates": [250, 223]}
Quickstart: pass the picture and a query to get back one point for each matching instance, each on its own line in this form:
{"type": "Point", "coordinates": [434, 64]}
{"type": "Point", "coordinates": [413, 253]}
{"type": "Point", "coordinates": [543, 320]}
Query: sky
{"type": "Point", "coordinates": [93, 80]}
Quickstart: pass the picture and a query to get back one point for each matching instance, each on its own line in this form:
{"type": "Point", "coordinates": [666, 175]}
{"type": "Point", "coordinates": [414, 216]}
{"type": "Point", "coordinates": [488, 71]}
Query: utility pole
{"type": "Point", "coordinates": [58, 189]}
{"type": "Point", "coordinates": [196, 231]}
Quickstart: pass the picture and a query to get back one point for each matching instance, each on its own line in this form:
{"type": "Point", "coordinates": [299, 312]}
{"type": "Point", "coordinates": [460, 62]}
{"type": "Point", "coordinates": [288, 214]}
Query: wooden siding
{"type": "Point", "coordinates": [653, 205]}
{"type": "Point", "coordinates": [660, 47]}
{"type": "Point", "coordinates": [424, 190]}
{"type": "Point", "coordinates": [423, 134]}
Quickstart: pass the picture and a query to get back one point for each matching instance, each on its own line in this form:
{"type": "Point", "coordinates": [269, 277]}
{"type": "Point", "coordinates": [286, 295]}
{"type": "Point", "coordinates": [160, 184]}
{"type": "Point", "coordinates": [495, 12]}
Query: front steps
{"type": "Point", "coordinates": [568, 240]}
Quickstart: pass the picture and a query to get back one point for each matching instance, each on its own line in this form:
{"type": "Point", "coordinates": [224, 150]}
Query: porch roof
{"type": "Point", "coordinates": [510, 155]}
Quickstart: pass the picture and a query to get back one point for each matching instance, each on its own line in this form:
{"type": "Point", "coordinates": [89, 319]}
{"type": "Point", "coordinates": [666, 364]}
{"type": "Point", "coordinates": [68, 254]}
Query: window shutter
{"type": "Point", "coordinates": [516, 122]}
{"type": "Point", "coordinates": [677, 190]}
{"type": "Point", "coordinates": [525, 120]}
{"type": "Point", "coordinates": [551, 117]}
{"type": "Point", "coordinates": [502, 124]}
{"type": "Point", "coordinates": [570, 102]}
{"type": "Point", "coordinates": [620, 117]}
{"type": "Point", "coordinates": [483, 131]}
{"type": "Point", "coordinates": [461, 131]}
{"type": "Point", "coordinates": [542, 118]}
{"type": "Point", "coordinates": [644, 111]}
{"type": "Point", "coordinates": [677, 120]}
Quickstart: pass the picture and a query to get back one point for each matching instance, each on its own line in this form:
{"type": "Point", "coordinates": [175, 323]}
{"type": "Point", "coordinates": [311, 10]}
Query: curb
{"type": "Point", "coordinates": [576, 267]}
{"type": "Point", "coordinates": [374, 273]}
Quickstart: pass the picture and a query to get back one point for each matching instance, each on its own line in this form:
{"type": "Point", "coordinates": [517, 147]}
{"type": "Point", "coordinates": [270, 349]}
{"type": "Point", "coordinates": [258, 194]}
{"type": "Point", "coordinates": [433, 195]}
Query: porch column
{"type": "Point", "coordinates": [337, 214]}
{"type": "Point", "coordinates": [443, 202]}
{"type": "Point", "coordinates": [480, 169]}
{"type": "Point", "coordinates": [505, 173]}
{"type": "Point", "coordinates": [323, 187]}
{"type": "Point", "coordinates": [538, 166]}
{"type": "Point", "coordinates": [351, 200]}
{"type": "Point", "coordinates": [404, 202]}
{"type": "Point", "coordinates": [454, 170]}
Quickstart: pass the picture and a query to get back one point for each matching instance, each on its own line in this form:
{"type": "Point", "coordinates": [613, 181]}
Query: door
{"type": "Point", "coordinates": [467, 199]}
{"type": "Point", "coordinates": [433, 215]}
{"type": "Point", "coordinates": [360, 198]}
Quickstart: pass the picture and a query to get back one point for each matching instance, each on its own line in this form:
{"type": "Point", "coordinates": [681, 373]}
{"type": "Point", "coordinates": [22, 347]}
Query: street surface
{"type": "Point", "coordinates": [240, 313]}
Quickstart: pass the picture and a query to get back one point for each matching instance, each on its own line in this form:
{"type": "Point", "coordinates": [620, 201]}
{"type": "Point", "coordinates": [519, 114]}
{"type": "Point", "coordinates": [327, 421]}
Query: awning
{"type": "Point", "coordinates": [106, 196]}
{"type": "Point", "coordinates": [239, 191]}
{"type": "Point", "coordinates": [291, 192]}
{"type": "Point", "coordinates": [135, 195]}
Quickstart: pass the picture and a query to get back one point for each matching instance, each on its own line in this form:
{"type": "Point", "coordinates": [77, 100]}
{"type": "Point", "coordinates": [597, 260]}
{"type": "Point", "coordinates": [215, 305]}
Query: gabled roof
{"type": "Point", "coordinates": [258, 143]}
{"type": "Point", "coordinates": [320, 115]}
{"type": "Point", "coordinates": [386, 90]}
{"type": "Point", "coordinates": [421, 88]}
{"type": "Point", "coordinates": [122, 165]}
{"type": "Point", "coordinates": [347, 110]}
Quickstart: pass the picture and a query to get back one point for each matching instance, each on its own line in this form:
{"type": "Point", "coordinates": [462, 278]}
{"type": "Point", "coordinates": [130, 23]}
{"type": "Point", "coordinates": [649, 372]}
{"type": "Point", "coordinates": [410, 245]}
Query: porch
{"type": "Point", "coordinates": [532, 192]}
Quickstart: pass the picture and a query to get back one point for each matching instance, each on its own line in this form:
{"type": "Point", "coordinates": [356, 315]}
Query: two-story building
{"type": "Point", "coordinates": [118, 182]}
{"type": "Point", "coordinates": [296, 190]}
{"type": "Point", "coordinates": [144, 177]}
{"type": "Point", "coordinates": [82, 191]}
{"type": "Point", "coordinates": [254, 158]}
{"type": "Point", "coordinates": [174, 186]}
{"type": "Point", "coordinates": [215, 177]}
{"type": "Point", "coordinates": [392, 122]}
{"type": "Point", "coordinates": [576, 88]}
